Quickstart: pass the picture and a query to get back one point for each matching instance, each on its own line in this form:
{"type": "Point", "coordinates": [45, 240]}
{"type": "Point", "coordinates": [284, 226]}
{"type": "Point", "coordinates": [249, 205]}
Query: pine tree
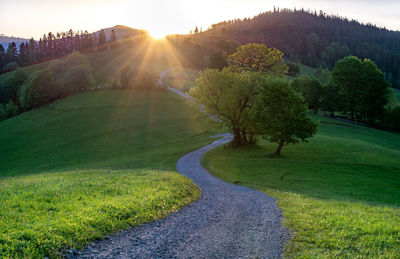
{"type": "Point", "coordinates": [12, 52]}
{"type": "Point", "coordinates": [2, 57]}
{"type": "Point", "coordinates": [102, 37]}
{"type": "Point", "coordinates": [32, 50]}
{"type": "Point", "coordinates": [22, 54]}
{"type": "Point", "coordinates": [113, 37]}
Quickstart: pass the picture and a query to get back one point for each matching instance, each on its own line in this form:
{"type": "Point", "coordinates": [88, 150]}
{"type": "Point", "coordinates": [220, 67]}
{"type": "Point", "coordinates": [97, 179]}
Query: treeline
{"type": "Point", "coordinates": [314, 39]}
{"type": "Point", "coordinates": [355, 89]}
{"type": "Point", "coordinates": [62, 77]}
{"type": "Point", "coordinates": [53, 46]}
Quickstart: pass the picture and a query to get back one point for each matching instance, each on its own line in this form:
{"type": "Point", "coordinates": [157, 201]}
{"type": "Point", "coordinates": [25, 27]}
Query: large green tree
{"type": "Point", "coordinates": [363, 87]}
{"type": "Point", "coordinates": [281, 114]}
{"type": "Point", "coordinates": [258, 58]}
{"type": "Point", "coordinates": [311, 89]}
{"type": "Point", "coordinates": [229, 96]}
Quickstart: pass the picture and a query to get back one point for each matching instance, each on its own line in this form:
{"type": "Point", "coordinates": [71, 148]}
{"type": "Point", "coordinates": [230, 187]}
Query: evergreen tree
{"type": "Point", "coordinates": [113, 36]}
{"type": "Point", "coordinates": [102, 37]}
{"type": "Point", "coordinates": [2, 57]}
{"type": "Point", "coordinates": [12, 52]}
{"type": "Point", "coordinates": [32, 50]}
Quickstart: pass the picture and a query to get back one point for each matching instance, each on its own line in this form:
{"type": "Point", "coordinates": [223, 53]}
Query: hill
{"type": "Point", "coordinates": [111, 129]}
{"type": "Point", "coordinates": [5, 40]}
{"type": "Point", "coordinates": [315, 39]}
{"type": "Point", "coordinates": [121, 32]}
{"type": "Point", "coordinates": [90, 165]}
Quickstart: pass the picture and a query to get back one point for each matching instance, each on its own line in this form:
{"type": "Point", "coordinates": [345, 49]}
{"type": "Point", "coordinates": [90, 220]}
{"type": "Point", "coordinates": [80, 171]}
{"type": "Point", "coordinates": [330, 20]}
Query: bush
{"type": "Point", "coordinates": [137, 79]}
{"type": "Point", "coordinates": [10, 66]}
{"type": "Point", "coordinates": [59, 66]}
{"type": "Point", "coordinates": [73, 73]}
{"type": "Point", "coordinates": [10, 87]}
{"type": "Point", "coordinates": [76, 79]}
{"type": "Point", "coordinates": [394, 118]}
{"type": "Point", "coordinates": [218, 60]}
{"type": "Point", "coordinates": [39, 90]}
{"type": "Point", "coordinates": [294, 69]}
{"type": "Point", "coordinates": [11, 109]}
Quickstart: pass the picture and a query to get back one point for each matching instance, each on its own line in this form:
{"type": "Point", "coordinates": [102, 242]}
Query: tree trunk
{"type": "Point", "coordinates": [278, 150]}
{"type": "Point", "coordinates": [237, 138]}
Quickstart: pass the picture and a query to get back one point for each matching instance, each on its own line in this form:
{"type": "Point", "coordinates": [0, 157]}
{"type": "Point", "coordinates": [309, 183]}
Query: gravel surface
{"type": "Point", "coordinates": [228, 221]}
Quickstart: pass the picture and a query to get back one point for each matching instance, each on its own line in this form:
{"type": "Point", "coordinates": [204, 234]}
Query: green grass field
{"type": "Point", "coordinates": [92, 164]}
{"type": "Point", "coordinates": [43, 214]}
{"type": "Point", "coordinates": [340, 193]}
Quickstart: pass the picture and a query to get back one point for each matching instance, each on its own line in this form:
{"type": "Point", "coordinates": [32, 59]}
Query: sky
{"type": "Point", "coordinates": [33, 18]}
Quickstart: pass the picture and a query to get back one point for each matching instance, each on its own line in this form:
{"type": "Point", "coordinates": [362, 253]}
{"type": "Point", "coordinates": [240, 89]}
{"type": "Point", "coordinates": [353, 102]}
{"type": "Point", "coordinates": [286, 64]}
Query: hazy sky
{"type": "Point", "coordinates": [32, 18]}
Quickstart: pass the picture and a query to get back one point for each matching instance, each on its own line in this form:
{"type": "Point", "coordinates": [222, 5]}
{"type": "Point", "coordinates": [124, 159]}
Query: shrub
{"type": "Point", "coordinates": [10, 66]}
{"type": "Point", "coordinates": [10, 87]}
{"type": "Point", "coordinates": [76, 79]}
{"type": "Point", "coordinates": [11, 109]}
{"type": "Point", "coordinates": [394, 118]}
{"type": "Point", "coordinates": [73, 74]}
{"type": "Point", "coordinates": [293, 69]}
{"type": "Point", "coordinates": [137, 79]}
{"type": "Point", "coordinates": [40, 89]}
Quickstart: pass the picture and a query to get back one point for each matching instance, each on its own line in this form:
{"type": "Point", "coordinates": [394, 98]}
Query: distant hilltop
{"type": "Point", "coordinates": [5, 40]}
{"type": "Point", "coordinates": [121, 32]}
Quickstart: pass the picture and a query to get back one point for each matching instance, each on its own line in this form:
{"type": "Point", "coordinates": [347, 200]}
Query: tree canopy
{"type": "Point", "coordinates": [363, 87]}
{"type": "Point", "coordinates": [230, 97]}
{"type": "Point", "coordinates": [281, 114]}
{"type": "Point", "coordinates": [258, 58]}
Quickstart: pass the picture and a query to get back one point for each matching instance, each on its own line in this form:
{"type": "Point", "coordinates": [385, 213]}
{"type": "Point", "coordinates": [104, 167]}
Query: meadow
{"type": "Point", "coordinates": [91, 164]}
{"type": "Point", "coordinates": [340, 193]}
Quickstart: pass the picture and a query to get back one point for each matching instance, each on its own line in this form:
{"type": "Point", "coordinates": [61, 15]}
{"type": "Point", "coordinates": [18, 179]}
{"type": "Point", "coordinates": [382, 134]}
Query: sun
{"type": "Point", "coordinates": [157, 34]}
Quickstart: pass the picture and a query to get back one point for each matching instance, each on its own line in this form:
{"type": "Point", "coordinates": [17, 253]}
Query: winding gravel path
{"type": "Point", "coordinates": [228, 221]}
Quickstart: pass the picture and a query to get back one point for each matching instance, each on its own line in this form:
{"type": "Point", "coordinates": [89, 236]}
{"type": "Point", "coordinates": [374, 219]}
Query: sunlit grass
{"type": "Point", "coordinates": [340, 193]}
{"type": "Point", "coordinates": [102, 129]}
{"type": "Point", "coordinates": [43, 214]}
{"type": "Point", "coordinates": [92, 164]}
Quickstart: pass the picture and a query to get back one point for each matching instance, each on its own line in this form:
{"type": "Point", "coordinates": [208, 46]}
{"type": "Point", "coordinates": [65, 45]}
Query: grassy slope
{"type": "Point", "coordinates": [101, 133]}
{"type": "Point", "coordinates": [340, 193]}
{"type": "Point", "coordinates": [113, 129]}
{"type": "Point", "coordinates": [43, 214]}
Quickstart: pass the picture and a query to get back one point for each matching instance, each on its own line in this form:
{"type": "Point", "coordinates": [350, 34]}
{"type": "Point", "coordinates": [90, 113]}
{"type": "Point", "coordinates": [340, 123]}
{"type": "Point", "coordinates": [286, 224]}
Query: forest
{"type": "Point", "coordinates": [313, 38]}
{"type": "Point", "coordinates": [55, 45]}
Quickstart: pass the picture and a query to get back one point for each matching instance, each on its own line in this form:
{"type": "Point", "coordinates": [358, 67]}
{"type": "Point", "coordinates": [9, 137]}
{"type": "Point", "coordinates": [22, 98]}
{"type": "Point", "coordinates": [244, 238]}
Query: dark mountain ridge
{"type": "Point", "coordinates": [315, 39]}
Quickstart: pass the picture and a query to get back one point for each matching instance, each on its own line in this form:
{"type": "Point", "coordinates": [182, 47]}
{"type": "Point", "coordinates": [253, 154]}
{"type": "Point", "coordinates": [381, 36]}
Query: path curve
{"type": "Point", "coordinates": [228, 221]}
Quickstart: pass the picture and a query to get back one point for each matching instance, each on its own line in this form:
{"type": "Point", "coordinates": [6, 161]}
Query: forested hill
{"type": "Point", "coordinates": [316, 39]}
